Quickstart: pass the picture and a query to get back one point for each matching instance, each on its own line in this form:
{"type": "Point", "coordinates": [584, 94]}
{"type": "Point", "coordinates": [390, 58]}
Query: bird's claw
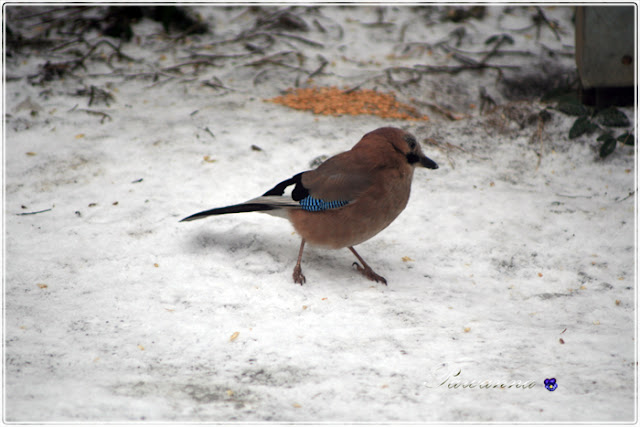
{"type": "Point", "coordinates": [370, 274]}
{"type": "Point", "coordinates": [298, 277]}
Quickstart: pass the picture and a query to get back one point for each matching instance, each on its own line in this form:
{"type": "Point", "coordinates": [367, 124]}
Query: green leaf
{"type": "Point", "coordinates": [627, 138]}
{"type": "Point", "coordinates": [608, 147]}
{"type": "Point", "coordinates": [571, 109]}
{"type": "Point", "coordinates": [613, 117]}
{"type": "Point", "coordinates": [581, 126]}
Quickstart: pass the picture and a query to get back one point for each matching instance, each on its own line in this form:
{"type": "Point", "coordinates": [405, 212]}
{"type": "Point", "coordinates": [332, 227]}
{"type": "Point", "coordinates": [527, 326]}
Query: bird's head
{"type": "Point", "coordinates": [406, 144]}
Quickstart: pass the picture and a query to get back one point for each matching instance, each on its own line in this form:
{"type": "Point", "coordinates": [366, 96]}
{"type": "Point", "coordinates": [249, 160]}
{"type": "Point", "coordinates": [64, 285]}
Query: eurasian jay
{"type": "Point", "coordinates": [346, 200]}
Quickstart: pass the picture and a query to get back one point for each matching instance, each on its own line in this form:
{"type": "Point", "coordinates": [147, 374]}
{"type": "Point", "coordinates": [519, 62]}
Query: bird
{"type": "Point", "coordinates": [347, 199]}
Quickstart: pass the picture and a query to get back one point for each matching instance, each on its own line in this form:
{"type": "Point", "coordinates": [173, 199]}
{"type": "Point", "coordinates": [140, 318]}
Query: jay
{"type": "Point", "coordinates": [346, 200]}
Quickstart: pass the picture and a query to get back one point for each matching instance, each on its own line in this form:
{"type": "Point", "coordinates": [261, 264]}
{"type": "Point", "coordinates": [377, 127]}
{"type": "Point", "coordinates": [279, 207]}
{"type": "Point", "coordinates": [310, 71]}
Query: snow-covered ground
{"type": "Point", "coordinates": [502, 267]}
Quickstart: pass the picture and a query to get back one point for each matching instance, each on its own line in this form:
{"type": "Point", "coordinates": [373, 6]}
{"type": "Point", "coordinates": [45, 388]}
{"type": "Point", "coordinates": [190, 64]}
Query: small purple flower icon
{"type": "Point", "coordinates": [550, 384]}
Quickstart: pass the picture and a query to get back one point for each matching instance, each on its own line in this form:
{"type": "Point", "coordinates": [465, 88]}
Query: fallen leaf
{"type": "Point", "coordinates": [208, 159]}
{"type": "Point", "coordinates": [42, 286]}
{"type": "Point", "coordinates": [141, 347]}
{"type": "Point", "coordinates": [80, 135]}
{"type": "Point", "coordinates": [406, 259]}
{"type": "Point", "coordinates": [234, 336]}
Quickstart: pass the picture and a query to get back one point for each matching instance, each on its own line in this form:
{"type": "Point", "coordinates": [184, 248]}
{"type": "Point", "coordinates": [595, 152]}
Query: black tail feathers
{"type": "Point", "coordinates": [243, 207]}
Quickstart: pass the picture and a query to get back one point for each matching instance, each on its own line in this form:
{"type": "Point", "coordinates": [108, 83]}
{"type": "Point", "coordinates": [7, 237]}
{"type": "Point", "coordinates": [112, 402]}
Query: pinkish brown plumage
{"type": "Point", "coordinates": [348, 199]}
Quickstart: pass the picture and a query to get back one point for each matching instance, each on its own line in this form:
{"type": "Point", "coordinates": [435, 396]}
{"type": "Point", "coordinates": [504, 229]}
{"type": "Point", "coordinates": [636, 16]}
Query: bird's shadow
{"type": "Point", "coordinates": [334, 264]}
{"type": "Point", "coordinates": [234, 241]}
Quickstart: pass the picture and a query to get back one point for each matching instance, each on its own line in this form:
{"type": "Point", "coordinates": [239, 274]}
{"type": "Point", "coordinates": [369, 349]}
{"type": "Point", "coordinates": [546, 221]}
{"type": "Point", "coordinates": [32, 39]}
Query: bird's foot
{"type": "Point", "coordinates": [298, 277]}
{"type": "Point", "coordinates": [370, 274]}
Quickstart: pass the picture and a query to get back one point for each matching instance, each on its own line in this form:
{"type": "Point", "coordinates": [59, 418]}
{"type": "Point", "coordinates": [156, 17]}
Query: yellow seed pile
{"type": "Point", "coordinates": [332, 101]}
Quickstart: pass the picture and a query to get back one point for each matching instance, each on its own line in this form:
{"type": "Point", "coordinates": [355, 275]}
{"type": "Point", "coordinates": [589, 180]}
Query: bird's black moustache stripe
{"type": "Point", "coordinates": [412, 158]}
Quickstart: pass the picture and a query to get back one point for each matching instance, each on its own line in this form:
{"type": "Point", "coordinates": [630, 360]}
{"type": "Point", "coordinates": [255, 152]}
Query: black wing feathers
{"type": "Point", "coordinates": [298, 193]}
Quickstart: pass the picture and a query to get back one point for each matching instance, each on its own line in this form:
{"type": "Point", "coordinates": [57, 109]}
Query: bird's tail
{"type": "Point", "coordinates": [274, 205]}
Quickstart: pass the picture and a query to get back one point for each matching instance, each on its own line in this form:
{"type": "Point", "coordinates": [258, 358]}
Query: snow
{"type": "Point", "coordinates": [115, 312]}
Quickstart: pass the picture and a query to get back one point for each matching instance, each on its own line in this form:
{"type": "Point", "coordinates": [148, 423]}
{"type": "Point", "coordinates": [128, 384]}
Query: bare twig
{"type": "Point", "coordinates": [485, 99]}
{"type": "Point", "coordinates": [33, 213]}
{"type": "Point", "coordinates": [455, 69]}
{"type": "Point", "coordinates": [213, 57]}
{"type": "Point", "coordinates": [631, 193]}
{"type": "Point", "coordinates": [414, 75]}
{"type": "Point", "coordinates": [543, 18]}
{"type": "Point", "coordinates": [359, 85]}
{"type": "Point", "coordinates": [499, 42]}
{"type": "Point", "coordinates": [322, 66]}
{"type": "Point", "coordinates": [447, 113]}
{"type": "Point", "coordinates": [73, 11]}
{"type": "Point", "coordinates": [299, 38]}
{"type": "Point", "coordinates": [257, 76]}
{"type": "Point", "coordinates": [216, 83]}
{"type": "Point", "coordinates": [448, 48]}
{"type": "Point", "coordinates": [275, 60]}
{"type": "Point", "coordinates": [195, 63]}
{"type": "Point", "coordinates": [96, 113]}
{"type": "Point", "coordinates": [538, 135]}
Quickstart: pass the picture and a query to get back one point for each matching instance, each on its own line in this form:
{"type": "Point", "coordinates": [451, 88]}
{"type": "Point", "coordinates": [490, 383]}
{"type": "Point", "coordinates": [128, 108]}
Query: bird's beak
{"type": "Point", "coordinates": [428, 163]}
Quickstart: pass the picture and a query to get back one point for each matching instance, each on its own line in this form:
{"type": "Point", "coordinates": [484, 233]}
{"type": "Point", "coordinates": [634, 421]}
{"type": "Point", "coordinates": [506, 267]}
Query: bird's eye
{"type": "Point", "coordinates": [411, 142]}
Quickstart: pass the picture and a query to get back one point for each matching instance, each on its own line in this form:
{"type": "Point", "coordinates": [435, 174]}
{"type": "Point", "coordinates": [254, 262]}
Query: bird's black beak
{"type": "Point", "coordinates": [428, 163]}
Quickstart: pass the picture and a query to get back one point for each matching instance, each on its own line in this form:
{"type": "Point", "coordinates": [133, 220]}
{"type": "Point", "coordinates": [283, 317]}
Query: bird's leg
{"type": "Point", "coordinates": [298, 277]}
{"type": "Point", "coordinates": [366, 270]}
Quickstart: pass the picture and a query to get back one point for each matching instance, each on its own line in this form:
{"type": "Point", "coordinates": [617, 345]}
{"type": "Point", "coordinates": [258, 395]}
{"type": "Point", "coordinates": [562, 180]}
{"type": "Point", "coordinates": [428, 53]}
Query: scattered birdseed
{"type": "Point", "coordinates": [331, 101]}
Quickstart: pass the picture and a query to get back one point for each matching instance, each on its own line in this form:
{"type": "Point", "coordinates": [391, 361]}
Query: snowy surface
{"type": "Point", "coordinates": [117, 312]}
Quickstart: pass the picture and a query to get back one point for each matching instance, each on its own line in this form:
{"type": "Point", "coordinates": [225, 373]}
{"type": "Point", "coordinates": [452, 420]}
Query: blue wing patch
{"type": "Point", "coordinates": [316, 205]}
